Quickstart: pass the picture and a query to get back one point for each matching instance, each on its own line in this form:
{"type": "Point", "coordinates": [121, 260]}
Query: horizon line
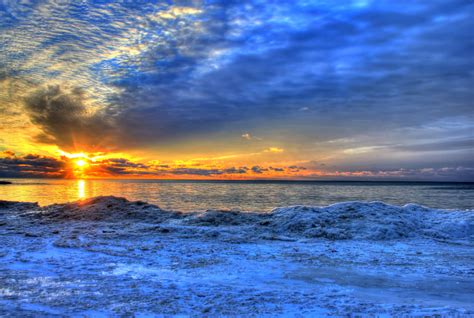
{"type": "Point", "coordinates": [251, 180]}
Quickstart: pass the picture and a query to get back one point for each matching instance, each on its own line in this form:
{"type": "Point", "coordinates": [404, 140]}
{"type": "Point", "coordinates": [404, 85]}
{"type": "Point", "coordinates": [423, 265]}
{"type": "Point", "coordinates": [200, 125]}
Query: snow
{"type": "Point", "coordinates": [108, 256]}
{"type": "Point", "coordinates": [375, 221]}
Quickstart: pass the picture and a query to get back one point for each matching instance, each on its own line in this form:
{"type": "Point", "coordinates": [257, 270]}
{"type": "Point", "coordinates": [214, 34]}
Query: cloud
{"type": "Point", "coordinates": [9, 153]}
{"type": "Point", "coordinates": [38, 166]}
{"type": "Point", "coordinates": [124, 163]}
{"type": "Point", "coordinates": [31, 166]}
{"type": "Point", "coordinates": [442, 145]}
{"type": "Point", "coordinates": [66, 121]}
{"type": "Point", "coordinates": [233, 170]}
{"type": "Point", "coordinates": [258, 169]}
{"type": "Point", "coordinates": [360, 150]}
{"type": "Point", "coordinates": [195, 171]}
{"type": "Point", "coordinates": [117, 167]}
{"type": "Point", "coordinates": [248, 136]}
{"type": "Point", "coordinates": [207, 172]}
{"type": "Point", "coordinates": [295, 168]}
{"type": "Point", "coordinates": [126, 167]}
{"type": "Point", "coordinates": [276, 169]}
{"type": "Point", "coordinates": [319, 170]}
{"type": "Point", "coordinates": [422, 174]}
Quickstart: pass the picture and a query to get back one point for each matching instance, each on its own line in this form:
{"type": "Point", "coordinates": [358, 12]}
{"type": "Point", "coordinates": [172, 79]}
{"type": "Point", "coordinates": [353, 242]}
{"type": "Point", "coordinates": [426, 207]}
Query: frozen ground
{"type": "Point", "coordinates": [109, 257]}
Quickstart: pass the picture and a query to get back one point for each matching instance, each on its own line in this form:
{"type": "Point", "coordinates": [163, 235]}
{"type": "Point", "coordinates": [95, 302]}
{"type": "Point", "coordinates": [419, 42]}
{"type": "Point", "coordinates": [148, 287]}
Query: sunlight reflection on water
{"type": "Point", "coordinates": [81, 189]}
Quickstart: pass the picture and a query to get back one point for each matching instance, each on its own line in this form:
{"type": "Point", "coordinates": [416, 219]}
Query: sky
{"type": "Point", "coordinates": [354, 89]}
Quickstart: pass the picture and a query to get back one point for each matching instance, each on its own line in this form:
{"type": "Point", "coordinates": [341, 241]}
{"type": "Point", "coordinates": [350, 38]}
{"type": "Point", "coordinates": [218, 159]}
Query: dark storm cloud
{"type": "Point", "coordinates": [65, 120]}
{"type": "Point", "coordinates": [31, 166]}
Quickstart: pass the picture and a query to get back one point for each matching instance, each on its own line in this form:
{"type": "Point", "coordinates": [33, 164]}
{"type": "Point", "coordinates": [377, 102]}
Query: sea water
{"type": "Point", "coordinates": [241, 195]}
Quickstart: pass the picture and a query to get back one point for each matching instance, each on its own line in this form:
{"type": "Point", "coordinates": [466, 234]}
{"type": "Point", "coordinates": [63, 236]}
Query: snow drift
{"type": "Point", "coordinates": [342, 221]}
{"type": "Point", "coordinates": [374, 221]}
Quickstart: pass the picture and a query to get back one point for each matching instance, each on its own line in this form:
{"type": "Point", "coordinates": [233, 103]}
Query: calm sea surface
{"type": "Point", "coordinates": [248, 195]}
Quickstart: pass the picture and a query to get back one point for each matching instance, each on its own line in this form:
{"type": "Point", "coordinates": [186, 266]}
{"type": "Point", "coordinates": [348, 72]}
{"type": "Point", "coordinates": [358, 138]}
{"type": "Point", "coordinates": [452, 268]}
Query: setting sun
{"type": "Point", "coordinates": [81, 163]}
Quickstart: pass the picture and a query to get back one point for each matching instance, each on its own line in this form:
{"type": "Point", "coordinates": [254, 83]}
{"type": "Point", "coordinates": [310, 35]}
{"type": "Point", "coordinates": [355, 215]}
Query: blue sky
{"type": "Point", "coordinates": [336, 85]}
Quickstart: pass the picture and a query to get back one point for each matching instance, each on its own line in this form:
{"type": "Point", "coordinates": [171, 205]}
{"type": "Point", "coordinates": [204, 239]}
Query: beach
{"type": "Point", "coordinates": [107, 256]}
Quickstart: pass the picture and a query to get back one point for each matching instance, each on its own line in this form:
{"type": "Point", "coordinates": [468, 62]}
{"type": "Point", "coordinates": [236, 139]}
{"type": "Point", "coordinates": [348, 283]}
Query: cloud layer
{"type": "Point", "coordinates": [37, 166]}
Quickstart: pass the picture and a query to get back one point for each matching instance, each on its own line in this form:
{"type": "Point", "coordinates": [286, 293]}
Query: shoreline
{"type": "Point", "coordinates": [140, 202]}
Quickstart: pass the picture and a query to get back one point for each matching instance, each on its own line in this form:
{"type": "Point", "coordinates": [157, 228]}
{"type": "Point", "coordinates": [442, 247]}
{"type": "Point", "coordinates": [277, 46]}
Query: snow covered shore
{"type": "Point", "coordinates": [108, 256]}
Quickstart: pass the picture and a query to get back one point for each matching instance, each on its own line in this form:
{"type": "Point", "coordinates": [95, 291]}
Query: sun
{"type": "Point", "coordinates": [81, 163]}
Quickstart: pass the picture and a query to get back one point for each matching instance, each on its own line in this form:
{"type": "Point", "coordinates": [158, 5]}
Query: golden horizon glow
{"type": "Point", "coordinates": [264, 163]}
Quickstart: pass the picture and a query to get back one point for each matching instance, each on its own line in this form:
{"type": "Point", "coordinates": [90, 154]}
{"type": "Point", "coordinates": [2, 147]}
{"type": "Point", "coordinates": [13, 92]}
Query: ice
{"type": "Point", "coordinates": [341, 221]}
{"type": "Point", "coordinates": [111, 257]}
{"type": "Point", "coordinates": [374, 221]}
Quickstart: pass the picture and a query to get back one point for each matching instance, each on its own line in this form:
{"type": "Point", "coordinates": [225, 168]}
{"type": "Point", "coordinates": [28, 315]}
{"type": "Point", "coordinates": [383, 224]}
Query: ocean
{"type": "Point", "coordinates": [258, 196]}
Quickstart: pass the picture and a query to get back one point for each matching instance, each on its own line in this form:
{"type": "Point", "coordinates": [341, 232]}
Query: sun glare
{"type": "Point", "coordinates": [81, 163]}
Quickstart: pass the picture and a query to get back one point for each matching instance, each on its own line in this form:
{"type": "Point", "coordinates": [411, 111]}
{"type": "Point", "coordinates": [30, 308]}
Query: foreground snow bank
{"type": "Point", "coordinates": [110, 257]}
{"type": "Point", "coordinates": [342, 221]}
{"type": "Point", "coordinates": [374, 221]}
